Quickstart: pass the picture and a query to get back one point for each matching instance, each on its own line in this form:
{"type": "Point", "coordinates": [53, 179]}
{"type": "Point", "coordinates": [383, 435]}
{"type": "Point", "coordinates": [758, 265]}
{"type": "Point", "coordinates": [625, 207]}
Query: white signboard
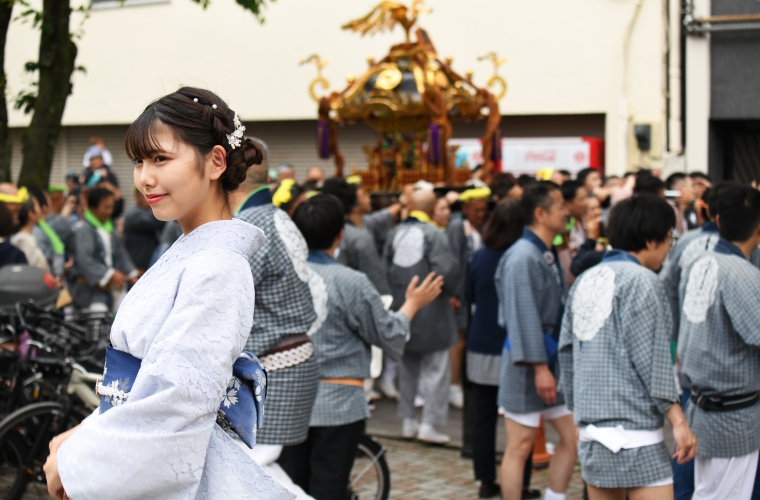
{"type": "Point", "coordinates": [528, 155]}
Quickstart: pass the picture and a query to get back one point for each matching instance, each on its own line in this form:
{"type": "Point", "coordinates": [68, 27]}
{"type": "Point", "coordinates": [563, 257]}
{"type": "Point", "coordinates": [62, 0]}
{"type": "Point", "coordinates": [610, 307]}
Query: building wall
{"type": "Point", "coordinates": [565, 58]}
{"type": "Point", "coordinates": [734, 68]}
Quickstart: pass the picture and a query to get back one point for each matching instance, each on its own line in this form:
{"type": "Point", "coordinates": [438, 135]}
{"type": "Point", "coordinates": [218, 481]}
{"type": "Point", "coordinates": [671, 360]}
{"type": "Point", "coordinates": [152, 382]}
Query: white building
{"type": "Point", "coordinates": [581, 68]}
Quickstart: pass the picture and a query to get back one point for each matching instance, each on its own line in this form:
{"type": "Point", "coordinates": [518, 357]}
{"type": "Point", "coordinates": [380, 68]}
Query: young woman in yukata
{"type": "Point", "coordinates": [184, 323]}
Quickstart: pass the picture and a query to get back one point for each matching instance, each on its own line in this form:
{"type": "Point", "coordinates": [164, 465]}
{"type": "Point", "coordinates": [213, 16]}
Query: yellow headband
{"type": "Point", "coordinates": [283, 195]}
{"type": "Point", "coordinates": [545, 174]}
{"type": "Point", "coordinates": [475, 194]}
{"type": "Point", "coordinates": [354, 179]}
{"type": "Point", "coordinates": [22, 196]}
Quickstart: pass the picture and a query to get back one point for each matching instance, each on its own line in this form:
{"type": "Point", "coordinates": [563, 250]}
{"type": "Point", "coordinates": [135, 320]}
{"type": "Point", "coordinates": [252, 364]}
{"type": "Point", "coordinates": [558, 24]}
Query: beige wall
{"type": "Point", "coordinates": [565, 57]}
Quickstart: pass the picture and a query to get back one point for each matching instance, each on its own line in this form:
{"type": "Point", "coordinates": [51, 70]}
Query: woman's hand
{"type": "Point", "coordinates": [55, 487]}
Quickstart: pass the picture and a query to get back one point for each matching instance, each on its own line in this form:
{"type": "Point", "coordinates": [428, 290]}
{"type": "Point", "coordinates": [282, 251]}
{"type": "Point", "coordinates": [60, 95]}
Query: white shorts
{"type": "Point", "coordinates": [533, 419]}
{"type": "Point", "coordinates": [724, 478]}
{"type": "Point", "coordinates": [664, 482]}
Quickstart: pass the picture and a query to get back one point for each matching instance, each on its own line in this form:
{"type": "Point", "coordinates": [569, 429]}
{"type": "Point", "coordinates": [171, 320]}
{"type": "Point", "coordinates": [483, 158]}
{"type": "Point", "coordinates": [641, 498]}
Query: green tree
{"type": "Point", "coordinates": [55, 65]}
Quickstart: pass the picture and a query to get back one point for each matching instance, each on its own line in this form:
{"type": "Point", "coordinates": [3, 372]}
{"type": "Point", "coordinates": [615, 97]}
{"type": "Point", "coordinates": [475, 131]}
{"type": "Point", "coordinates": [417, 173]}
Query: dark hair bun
{"type": "Point", "coordinates": [238, 162]}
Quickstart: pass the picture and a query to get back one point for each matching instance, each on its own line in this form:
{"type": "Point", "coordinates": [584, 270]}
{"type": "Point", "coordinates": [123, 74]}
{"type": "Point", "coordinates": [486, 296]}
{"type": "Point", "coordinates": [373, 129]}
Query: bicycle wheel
{"type": "Point", "coordinates": [370, 477]}
{"type": "Point", "coordinates": [24, 438]}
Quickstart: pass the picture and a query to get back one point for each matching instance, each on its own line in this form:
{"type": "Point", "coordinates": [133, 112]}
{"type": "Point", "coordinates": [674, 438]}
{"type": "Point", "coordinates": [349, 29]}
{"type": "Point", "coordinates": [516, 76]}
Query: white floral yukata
{"type": "Point", "coordinates": [187, 319]}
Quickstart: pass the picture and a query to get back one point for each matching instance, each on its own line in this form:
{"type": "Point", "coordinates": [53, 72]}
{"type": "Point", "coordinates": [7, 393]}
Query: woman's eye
{"type": "Point", "coordinates": [137, 162]}
{"type": "Point", "coordinates": [160, 159]}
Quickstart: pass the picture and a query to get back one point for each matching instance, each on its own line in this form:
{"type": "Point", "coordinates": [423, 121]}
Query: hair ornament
{"type": "Point", "coordinates": [235, 138]}
{"type": "Point", "coordinates": [213, 106]}
{"type": "Point", "coordinates": [195, 99]}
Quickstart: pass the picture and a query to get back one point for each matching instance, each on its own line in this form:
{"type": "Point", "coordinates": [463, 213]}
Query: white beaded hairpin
{"type": "Point", "coordinates": [235, 138]}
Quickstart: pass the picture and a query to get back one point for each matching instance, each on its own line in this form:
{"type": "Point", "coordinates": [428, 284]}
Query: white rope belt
{"type": "Point", "coordinates": [286, 359]}
{"type": "Point", "coordinates": [618, 438]}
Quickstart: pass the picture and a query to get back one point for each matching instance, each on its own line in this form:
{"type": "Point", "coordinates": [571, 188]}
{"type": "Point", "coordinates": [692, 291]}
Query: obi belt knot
{"type": "Point", "coordinates": [241, 409]}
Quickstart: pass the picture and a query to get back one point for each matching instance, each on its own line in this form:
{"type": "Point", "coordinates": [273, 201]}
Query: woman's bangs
{"type": "Point", "coordinates": [143, 137]}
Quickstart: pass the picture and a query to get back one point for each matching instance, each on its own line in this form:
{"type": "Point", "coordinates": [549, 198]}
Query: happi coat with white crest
{"type": "Point", "coordinates": [284, 309]}
{"type": "Point", "coordinates": [187, 320]}
{"type": "Point", "coordinates": [614, 358]}
{"type": "Point", "coordinates": [531, 293]}
{"type": "Point", "coordinates": [719, 348]}
{"type": "Point", "coordinates": [416, 248]}
{"type": "Point", "coordinates": [691, 246]}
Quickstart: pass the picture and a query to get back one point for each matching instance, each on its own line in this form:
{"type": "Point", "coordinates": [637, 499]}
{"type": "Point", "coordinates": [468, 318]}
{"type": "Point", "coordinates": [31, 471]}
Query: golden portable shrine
{"type": "Point", "coordinates": [411, 97]}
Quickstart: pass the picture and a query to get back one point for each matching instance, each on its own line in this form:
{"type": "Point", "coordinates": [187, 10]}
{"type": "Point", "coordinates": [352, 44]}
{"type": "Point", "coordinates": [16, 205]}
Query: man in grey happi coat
{"type": "Point", "coordinates": [531, 292]}
{"type": "Point", "coordinates": [719, 351]}
{"type": "Point", "coordinates": [283, 314]}
{"type": "Point", "coordinates": [691, 246]}
{"type": "Point", "coordinates": [417, 248]}
{"type": "Point", "coordinates": [357, 247]}
{"type": "Point", "coordinates": [351, 318]}
{"type": "Point", "coordinates": [101, 264]}
{"type": "Point", "coordinates": [614, 354]}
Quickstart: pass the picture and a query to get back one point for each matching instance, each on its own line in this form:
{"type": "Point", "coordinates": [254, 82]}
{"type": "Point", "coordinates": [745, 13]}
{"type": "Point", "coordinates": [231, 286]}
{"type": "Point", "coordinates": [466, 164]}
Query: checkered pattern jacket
{"type": "Point", "coordinates": [719, 349]}
{"type": "Point", "coordinates": [354, 319]}
{"type": "Point", "coordinates": [614, 348]}
{"type": "Point", "coordinates": [379, 225]}
{"type": "Point", "coordinates": [530, 299]}
{"type": "Point", "coordinates": [283, 305]}
{"type": "Point", "coordinates": [358, 251]}
{"type": "Point", "coordinates": [691, 246]}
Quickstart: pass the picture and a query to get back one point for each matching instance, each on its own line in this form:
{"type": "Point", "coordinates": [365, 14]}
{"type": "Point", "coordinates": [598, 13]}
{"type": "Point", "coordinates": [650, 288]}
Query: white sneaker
{"type": "Point", "coordinates": [456, 396]}
{"type": "Point", "coordinates": [375, 396]}
{"type": "Point", "coordinates": [387, 388]}
{"type": "Point", "coordinates": [428, 434]}
{"type": "Point", "coordinates": [418, 402]}
{"type": "Point", "coordinates": [409, 428]}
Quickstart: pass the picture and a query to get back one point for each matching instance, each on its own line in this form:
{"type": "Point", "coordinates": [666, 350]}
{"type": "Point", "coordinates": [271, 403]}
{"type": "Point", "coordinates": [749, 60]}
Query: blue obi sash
{"type": "Point", "coordinates": [241, 408]}
{"type": "Point", "coordinates": [550, 344]}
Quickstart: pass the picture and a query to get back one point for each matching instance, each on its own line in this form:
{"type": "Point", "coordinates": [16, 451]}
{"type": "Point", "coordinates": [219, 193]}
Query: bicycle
{"type": "Point", "coordinates": [44, 368]}
{"type": "Point", "coordinates": [26, 432]}
{"type": "Point", "coordinates": [370, 476]}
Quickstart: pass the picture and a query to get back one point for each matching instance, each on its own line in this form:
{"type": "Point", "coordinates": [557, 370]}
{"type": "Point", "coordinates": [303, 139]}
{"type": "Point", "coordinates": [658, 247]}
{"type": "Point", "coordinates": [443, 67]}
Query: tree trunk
{"type": "Point", "coordinates": [56, 64]}
{"type": "Point", "coordinates": [6, 7]}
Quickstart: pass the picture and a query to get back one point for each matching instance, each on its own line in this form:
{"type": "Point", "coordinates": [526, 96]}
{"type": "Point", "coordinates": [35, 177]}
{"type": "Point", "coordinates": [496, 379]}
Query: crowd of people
{"type": "Point", "coordinates": [553, 298]}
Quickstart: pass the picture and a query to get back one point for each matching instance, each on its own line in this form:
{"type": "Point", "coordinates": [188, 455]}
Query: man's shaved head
{"type": "Point", "coordinates": [423, 200]}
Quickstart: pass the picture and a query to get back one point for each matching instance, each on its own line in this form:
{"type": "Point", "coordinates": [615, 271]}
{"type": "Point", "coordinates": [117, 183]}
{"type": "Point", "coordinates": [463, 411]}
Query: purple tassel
{"type": "Point", "coordinates": [434, 143]}
{"type": "Point", "coordinates": [323, 139]}
{"type": "Point", "coordinates": [496, 146]}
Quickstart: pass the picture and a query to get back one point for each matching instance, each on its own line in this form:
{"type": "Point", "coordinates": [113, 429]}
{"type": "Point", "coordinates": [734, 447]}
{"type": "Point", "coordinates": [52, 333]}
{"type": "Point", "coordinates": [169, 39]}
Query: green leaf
{"type": "Point", "coordinates": [25, 101]}
{"type": "Point", "coordinates": [254, 6]}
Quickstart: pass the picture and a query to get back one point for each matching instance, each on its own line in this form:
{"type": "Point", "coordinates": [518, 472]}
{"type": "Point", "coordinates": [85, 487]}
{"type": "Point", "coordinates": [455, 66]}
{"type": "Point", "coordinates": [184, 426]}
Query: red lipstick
{"type": "Point", "coordinates": [154, 198]}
